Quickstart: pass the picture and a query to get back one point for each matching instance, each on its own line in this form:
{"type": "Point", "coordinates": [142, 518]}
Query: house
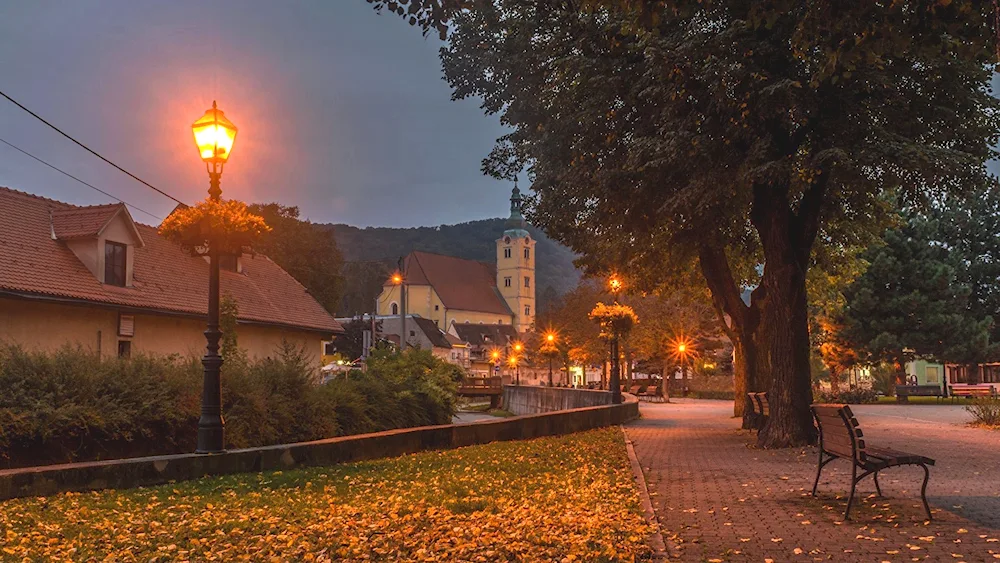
{"type": "Point", "coordinates": [91, 276]}
{"type": "Point", "coordinates": [450, 290]}
{"type": "Point", "coordinates": [483, 340]}
{"type": "Point", "coordinates": [424, 334]}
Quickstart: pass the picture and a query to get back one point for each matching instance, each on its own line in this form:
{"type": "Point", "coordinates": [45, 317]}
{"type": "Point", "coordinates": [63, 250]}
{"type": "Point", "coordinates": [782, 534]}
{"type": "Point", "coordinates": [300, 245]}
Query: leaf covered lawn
{"type": "Point", "coordinates": [568, 498]}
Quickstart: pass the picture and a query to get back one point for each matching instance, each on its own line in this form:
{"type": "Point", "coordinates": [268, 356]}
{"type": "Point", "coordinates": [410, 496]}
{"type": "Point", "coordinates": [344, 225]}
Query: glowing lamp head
{"type": "Point", "coordinates": [397, 279]}
{"type": "Point", "coordinates": [513, 360]}
{"type": "Point", "coordinates": [550, 337]}
{"type": "Point", "coordinates": [495, 355]}
{"type": "Point", "coordinates": [615, 283]}
{"type": "Point", "coordinates": [214, 135]}
{"type": "Point", "coordinates": [518, 347]}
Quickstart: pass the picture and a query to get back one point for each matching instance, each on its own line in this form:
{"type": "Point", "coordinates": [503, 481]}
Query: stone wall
{"type": "Point", "coordinates": [156, 470]}
{"type": "Point", "coordinates": [526, 399]}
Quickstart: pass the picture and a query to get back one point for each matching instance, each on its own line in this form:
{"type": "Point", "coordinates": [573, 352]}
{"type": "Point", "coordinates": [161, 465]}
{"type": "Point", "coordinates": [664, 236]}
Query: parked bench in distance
{"type": "Point", "coordinates": [904, 392]}
{"type": "Point", "coordinates": [761, 409]}
{"type": "Point", "coordinates": [840, 437]}
{"type": "Point", "coordinates": [972, 391]}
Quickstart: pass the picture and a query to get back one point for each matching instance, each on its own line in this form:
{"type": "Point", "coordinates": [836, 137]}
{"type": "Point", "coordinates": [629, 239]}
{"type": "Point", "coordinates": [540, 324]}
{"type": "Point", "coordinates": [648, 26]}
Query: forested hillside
{"type": "Point", "coordinates": [370, 254]}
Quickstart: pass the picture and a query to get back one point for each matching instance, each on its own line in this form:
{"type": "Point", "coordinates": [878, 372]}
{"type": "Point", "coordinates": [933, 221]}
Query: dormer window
{"type": "Point", "coordinates": [115, 254]}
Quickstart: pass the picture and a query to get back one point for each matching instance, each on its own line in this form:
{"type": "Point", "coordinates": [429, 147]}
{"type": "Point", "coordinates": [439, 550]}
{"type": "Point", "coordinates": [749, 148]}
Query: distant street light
{"type": "Point", "coordinates": [517, 370]}
{"type": "Point", "coordinates": [214, 135]}
{"type": "Point", "coordinates": [495, 361]}
{"type": "Point", "coordinates": [550, 338]}
{"type": "Point", "coordinates": [397, 279]}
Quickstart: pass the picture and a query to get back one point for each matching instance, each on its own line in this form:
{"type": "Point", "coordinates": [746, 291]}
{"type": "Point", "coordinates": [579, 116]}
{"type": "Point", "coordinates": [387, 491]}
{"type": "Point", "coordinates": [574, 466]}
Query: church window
{"type": "Point", "coordinates": [527, 310]}
{"type": "Point", "coordinates": [506, 281]}
{"type": "Point", "coordinates": [527, 281]}
{"type": "Point", "coordinates": [437, 307]}
{"type": "Point", "coordinates": [506, 252]}
{"type": "Point", "coordinates": [527, 253]}
{"type": "Point", "coordinates": [395, 309]}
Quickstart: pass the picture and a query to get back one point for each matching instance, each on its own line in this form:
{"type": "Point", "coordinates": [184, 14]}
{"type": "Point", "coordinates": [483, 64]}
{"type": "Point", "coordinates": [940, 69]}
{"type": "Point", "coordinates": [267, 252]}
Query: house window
{"type": "Point", "coordinates": [114, 263]}
{"type": "Point", "coordinates": [395, 309]}
{"type": "Point", "coordinates": [527, 310]}
{"type": "Point", "coordinates": [506, 252]}
{"type": "Point", "coordinates": [412, 333]}
{"type": "Point", "coordinates": [437, 307]}
{"type": "Point", "coordinates": [506, 281]}
{"type": "Point", "coordinates": [527, 281]}
{"type": "Point", "coordinates": [329, 349]}
{"type": "Point", "coordinates": [124, 348]}
{"type": "Point", "coordinates": [931, 373]}
{"type": "Point", "coordinates": [229, 262]}
{"type": "Point", "coordinates": [527, 253]}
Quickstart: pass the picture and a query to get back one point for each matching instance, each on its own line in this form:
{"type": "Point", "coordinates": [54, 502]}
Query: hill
{"type": "Point", "coordinates": [371, 253]}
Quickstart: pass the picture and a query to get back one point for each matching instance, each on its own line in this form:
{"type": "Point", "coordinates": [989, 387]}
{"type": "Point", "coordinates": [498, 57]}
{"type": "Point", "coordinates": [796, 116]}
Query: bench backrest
{"type": "Point", "coordinates": [754, 404]}
{"type": "Point", "coordinates": [765, 408]}
{"type": "Point", "coordinates": [839, 433]}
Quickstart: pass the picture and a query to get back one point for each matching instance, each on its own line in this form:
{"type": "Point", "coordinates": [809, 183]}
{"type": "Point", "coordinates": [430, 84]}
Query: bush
{"type": "Point", "coordinates": [850, 396]}
{"type": "Point", "coordinates": [712, 394]}
{"type": "Point", "coordinates": [985, 411]}
{"type": "Point", "coordinates": [72, 406]}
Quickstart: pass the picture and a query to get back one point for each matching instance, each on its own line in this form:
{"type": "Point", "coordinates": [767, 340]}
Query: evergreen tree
{"type": "Point", "coordinates": [909, 303]}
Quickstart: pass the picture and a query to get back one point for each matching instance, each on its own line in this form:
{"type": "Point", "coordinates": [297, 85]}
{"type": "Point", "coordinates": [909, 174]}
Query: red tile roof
{"type": "Point", "coordinates": [77, 222]}
{"type": "Point", "coordinates": [165, 277]}
{"type": "Point", "coordinates": [461, 284]}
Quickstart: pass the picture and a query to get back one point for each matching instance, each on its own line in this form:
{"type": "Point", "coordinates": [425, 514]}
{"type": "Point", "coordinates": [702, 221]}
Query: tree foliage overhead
{"type": "Point", "coordinates": [721, 130]}
{"type": "Point", "coordinates": [308, 252]}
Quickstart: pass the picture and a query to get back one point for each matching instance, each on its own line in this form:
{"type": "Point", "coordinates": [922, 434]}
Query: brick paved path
{"type": "Point", "coordinates": [721, 499]}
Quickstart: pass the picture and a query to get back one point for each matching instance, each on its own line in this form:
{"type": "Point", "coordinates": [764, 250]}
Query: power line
{"type": "Point", "coordinates": [91, 151]}
{"type": "Point", "coordinates": [63, 172]}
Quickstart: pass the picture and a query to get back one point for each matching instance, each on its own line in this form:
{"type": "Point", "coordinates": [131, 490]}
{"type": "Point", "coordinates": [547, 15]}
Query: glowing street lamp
{"type": "Point", "coordinates": [517, 370]}
{"type": "Point", "coordinates": [214, 136]}
{"type": "Point", "coordinates": [550, 339]}
{"type": "Point", "coordinates": [615, 284]}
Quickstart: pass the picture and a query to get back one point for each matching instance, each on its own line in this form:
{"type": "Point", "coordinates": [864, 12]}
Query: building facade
{"type": "Point", "coordinates": [449, 290]}
{"type": "Point", "coordinates": [92, 277]}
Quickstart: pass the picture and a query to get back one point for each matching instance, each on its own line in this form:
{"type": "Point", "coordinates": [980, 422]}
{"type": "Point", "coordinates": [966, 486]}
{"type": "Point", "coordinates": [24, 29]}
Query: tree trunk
{"type": "Point", "coordinates": [783, 338]}
{"type": "Point", "coordinates": [666, 381]}
{"type": "Point", "coordinates": [834, 381]}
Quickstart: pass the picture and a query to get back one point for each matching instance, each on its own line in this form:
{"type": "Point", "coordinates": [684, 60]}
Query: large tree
{"type": "Point", "coordinates": [724, 130]}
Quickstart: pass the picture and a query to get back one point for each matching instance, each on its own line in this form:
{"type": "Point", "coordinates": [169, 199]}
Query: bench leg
{"type": "Point", "coordinates": [819, 469]}
{"type": "Point", "coordinates": [923, 490]}
{"type": "Point", "coordinates": [877, 488]}
{"type": "Point", "coordinates": [854, 486]}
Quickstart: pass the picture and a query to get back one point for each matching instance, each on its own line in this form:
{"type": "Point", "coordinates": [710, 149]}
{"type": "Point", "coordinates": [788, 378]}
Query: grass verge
{"type": "Point", "coordinates": [550, 499]}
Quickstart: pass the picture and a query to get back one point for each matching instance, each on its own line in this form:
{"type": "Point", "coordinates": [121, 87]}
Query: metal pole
{"type": "Point", "coordinates": [615, 379]}
{"type": "Point", "coordinates": [211, 425]}
{"type": "Point", "coordinates": [402, 308]}
{"type": "Point", "coordinates": [550, 371]}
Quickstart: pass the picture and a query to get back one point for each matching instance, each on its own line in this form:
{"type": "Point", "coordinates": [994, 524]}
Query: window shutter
{"type": "Point", "coordinates": [126, 325]}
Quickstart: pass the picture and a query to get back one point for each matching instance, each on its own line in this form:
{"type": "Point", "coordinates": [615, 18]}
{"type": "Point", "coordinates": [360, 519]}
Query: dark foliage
{"type": "Point", "coordinates": [71, 406]}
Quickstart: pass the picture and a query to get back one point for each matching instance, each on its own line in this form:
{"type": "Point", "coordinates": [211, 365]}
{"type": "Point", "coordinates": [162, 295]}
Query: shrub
{"type": "Point", "coordinates": [71, 405]}
{"type": "Point", "coordinates": [985, 411]}
{"type": "Point", "coordinates": [857, 396]}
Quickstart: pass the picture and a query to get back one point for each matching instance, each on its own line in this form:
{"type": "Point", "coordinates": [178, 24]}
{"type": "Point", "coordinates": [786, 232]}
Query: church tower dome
{"type": "Point", "coordinates": [516, 266]}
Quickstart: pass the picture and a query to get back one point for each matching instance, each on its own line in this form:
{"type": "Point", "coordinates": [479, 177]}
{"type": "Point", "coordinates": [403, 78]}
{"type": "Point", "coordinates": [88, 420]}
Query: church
{"type": "Point", "coordinates": [454, 291]}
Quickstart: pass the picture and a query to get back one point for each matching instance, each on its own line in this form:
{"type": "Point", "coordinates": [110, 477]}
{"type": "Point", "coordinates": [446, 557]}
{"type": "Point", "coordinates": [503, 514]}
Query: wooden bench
{"type": "Point", "coordinates": [840, 436]}
{"type": "Point", "coordinates": [972, 391]}
{"type": "Point", "coordinates": [761, 409]}
{"type": "Point", "coordinates": [652, 393]}
{"type": "Point", "coordinates": [903, 392]}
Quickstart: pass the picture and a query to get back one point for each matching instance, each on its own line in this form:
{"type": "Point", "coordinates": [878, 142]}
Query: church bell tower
{"type": "Point", "coordinates": [516, 267]}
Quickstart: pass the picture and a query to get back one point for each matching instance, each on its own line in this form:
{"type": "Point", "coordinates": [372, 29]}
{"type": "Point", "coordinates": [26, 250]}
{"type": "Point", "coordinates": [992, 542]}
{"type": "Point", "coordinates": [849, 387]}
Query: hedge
{"type": "Point", "coordinates": [71, 405]}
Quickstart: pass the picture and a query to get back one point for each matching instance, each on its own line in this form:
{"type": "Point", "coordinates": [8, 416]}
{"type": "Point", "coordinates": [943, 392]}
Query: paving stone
{"type": "Point", "coordinates": [722, 499]}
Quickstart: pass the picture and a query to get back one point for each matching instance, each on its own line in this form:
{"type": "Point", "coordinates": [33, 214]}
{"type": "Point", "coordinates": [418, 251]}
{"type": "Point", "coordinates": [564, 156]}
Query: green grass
{"type": "Point", "coordinates": [918, 401]}
{"type": "Point", "coordinates": [539, 500]}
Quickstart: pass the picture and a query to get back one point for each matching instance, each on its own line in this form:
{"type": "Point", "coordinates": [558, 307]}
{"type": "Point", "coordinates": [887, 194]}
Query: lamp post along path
{"type": "Point", "coordinates": [214, 135]}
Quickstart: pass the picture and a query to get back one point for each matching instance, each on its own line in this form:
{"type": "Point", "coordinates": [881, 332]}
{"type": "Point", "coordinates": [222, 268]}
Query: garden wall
{"type": "Point", "coordinates": [134, 472]}
{"type": "Point", "coordinates": [527, 399]}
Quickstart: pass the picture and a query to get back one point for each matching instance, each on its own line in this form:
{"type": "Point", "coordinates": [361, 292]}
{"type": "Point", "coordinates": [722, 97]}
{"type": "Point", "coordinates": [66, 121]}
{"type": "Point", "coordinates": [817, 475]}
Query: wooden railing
{"type": "Point", "coordinates": [484, 382]}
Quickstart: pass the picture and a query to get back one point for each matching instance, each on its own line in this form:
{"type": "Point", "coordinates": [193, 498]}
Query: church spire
{"type": "Point", "coordinates": [516, 220]}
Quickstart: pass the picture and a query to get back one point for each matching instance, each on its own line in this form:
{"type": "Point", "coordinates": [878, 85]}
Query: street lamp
{"type": "Point", "coordinates": [214, 135]}
{"type": "Point", "coordinates": [397, 279]}
{"type": "Point", "coordinates": [517, 371]}
{"type": "Point", "coordinates": [614, 381]}
{"type": "Point", "coordinates": [495, 361]}
{"type": "Point", "coordinates": [550, 339]}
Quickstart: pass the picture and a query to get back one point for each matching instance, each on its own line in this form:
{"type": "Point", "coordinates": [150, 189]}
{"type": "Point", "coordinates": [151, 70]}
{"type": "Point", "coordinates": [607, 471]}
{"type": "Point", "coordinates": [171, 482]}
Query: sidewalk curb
{"type": "Point", "coordinates": [660, 549]}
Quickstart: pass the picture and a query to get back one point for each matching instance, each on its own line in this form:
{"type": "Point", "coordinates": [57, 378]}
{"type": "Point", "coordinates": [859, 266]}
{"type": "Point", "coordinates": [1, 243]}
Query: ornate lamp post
{"type": "Point", "coordinates": [614, 380]}
{"type": "Point", "coordinates": [494, 362]}
{"type": "Point", "coordinates": [517, 370]}
{"type": "Point", "coordinates": [518, 348]}
{"type": "Point", "coordinates": [214, 135]}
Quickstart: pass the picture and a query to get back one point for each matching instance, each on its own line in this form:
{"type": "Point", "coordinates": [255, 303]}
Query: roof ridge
{"type": "Point", "coordinates": [35, 196]}
{"type": "Point", "coordinates": [74, 207]}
